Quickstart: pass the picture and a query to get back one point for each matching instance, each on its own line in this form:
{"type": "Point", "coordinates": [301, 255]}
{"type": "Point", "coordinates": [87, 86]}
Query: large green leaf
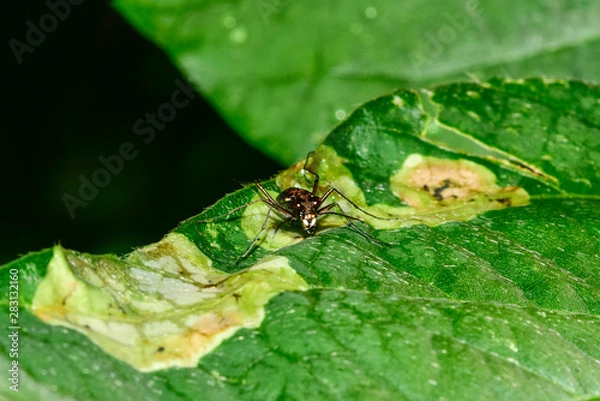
{"type": "Point", "coordinates": [480, 280]}
{"type": "Point", "coordinates": [283, 73]}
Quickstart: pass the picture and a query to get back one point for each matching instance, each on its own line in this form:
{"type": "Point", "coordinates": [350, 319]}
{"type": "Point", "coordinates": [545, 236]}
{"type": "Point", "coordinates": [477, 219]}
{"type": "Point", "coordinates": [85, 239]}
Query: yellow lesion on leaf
{"type": "Point", "coordinates": [163, 305]}
{"type": "Point", "coordinates": [428, 182]}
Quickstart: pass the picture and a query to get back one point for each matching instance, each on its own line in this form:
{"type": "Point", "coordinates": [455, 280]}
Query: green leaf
{"type": "Point", "coordinates": [282, 73]}
{"type": "Point", "coordinates": [474, 272]}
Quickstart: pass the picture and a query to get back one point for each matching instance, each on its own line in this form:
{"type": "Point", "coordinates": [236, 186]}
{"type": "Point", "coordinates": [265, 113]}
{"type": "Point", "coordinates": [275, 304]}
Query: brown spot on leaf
{"type": "Point", "coordinates": [425, 182]}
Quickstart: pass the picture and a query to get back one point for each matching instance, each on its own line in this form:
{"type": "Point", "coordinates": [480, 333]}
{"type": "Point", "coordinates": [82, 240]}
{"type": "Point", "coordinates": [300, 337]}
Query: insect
{"type": "Point", "coordinates": [299, 205]}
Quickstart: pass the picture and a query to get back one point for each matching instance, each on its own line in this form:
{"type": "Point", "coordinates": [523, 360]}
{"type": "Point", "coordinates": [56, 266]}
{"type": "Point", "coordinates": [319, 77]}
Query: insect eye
{"type": "Point", "coordinates": [297, 205]}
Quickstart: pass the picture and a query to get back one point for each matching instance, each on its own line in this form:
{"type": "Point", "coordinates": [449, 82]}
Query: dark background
{"type": "Point", "coordinates": [75, 98]}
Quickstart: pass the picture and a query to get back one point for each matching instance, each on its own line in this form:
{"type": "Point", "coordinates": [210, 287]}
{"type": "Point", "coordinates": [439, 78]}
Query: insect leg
{"type": "Point", "coordinates": [273, 205]}
{"type": "Point", "coordinates": [255, 240]}
{"type": "Point", "coordinates": [349, 220]}
{"type": "Point", "coordinates": [268, 199]}
{"type": "Point", "coordinates": [332, 190]}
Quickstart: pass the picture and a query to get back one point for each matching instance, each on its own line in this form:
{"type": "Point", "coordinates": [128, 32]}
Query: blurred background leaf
{"type": "Point", "coordinates": [282, 73]}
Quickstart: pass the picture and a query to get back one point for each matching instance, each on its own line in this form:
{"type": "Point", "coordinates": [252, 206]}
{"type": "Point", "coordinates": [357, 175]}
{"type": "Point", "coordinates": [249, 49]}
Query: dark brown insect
{"type": "Point", "coordinates": [302, 206]}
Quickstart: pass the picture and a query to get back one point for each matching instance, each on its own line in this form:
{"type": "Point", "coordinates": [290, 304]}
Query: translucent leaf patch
{"type": "Point", "coordinates": [162, 306]}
